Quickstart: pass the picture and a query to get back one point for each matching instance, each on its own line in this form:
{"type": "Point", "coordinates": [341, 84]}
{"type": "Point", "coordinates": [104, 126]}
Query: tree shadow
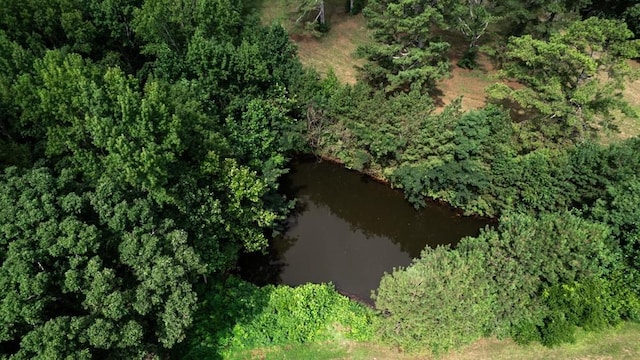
{"type": "Point", "coordinates": [225, 304]}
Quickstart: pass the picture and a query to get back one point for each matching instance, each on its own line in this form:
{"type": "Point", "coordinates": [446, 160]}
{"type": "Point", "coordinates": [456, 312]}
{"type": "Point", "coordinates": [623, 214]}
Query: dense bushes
{"type": "Point", "coordinates": [443, 300]}
{"type": "Point", "coordinates": [532, 278]}
{"type": "Point", "coordinates": [238, 315]}
{"type": "Point", "coordinates": [524, 255]}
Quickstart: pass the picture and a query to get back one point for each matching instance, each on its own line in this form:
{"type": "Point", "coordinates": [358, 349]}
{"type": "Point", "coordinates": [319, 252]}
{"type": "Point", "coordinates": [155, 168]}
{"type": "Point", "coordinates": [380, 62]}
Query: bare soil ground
{"type": "Point", "coordinates": [465, 83]}
{"type": "Point", "coordinates": [629, 127]}
{"type": "Point", "coordinates": [334, 50]}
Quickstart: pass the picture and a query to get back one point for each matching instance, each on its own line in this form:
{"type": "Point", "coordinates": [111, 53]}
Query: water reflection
{"type": "Point", "coordinates": [349, 229]}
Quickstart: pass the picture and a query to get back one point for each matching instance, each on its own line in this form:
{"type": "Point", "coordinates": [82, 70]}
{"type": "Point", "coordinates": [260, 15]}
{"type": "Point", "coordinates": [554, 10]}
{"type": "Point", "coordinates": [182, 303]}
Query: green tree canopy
{"type": "Point", "coordinates": [72, 286]}
{"type": "Point", "coordinates": [571, 83]}
{"type": "Point", "coordinates": [405, 55]}
{"type": "Point", "coordinates": [538, 18]}
{"type": "Point", "coordinates": [142, 180]}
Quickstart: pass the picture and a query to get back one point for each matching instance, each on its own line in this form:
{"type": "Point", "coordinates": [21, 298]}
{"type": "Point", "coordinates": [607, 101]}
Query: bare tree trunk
{"type": "Point", "coordinates": [320, 16]}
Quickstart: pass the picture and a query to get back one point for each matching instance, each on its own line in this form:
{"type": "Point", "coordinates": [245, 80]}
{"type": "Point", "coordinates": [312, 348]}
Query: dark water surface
{"type": "Point", "coordinates": [349, 229]}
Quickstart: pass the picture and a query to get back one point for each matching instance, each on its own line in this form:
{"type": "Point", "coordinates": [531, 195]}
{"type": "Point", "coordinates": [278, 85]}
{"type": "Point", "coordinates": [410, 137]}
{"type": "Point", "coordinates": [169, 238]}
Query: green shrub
{"type": "Point", "coordinates": [525, 332]}
{"type": "Point", "coordinates": [469, 59]}
{"type": "Point", "coordinates": [527, 254]}
{"type": "Point", "coordinates": [557, 330]}
{"type": "Point", "coordinates": [440, 302]}
{"type": "Point", "coordinates": [239, 316]}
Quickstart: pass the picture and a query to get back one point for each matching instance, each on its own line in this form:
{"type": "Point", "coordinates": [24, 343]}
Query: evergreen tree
{"type": "Point", "coordinates": [405, 55]}
{"type": "Point", "coordinates": [573, 81]}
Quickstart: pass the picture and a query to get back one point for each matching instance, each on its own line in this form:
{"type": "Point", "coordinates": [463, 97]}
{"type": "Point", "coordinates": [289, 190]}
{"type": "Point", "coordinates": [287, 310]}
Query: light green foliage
{"type": "Point", "coordinates": [565, 89]}
{"type": "Point", "coordinates": [405, 56]}
{"type": "Point", "coordinates": [526, 254]}
{"type": "Point", "coordinates": [274, 315]}
{"type": "Point", "coordinates": [441, 301]}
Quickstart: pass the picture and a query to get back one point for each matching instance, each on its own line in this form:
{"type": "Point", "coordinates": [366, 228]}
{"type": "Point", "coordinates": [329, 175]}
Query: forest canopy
{"type": "Point", "coordinates": [142, 143]}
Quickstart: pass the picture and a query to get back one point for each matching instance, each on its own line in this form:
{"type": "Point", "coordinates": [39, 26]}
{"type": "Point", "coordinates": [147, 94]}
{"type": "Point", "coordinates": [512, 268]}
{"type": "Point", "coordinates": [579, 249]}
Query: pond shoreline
{"type": "Point", "coordinates": [380, 179]}
{"type": "Point", "coordinates": [348, 228]}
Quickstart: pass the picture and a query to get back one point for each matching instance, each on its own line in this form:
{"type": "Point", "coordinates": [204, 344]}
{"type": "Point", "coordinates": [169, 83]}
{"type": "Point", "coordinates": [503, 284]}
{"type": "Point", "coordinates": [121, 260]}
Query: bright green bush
{"type": "Point", "coordinates": [239, 316]}
{"type": "Point", "coordinates": [441, 301]}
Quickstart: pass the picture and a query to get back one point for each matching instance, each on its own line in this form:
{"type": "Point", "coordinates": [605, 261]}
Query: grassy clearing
{"type": "Point", "coordinates": [622, 342]}
{"type": "Point", "coordinates": [629, 127]}
{"type": "Point", "coordinates": [335, 50]}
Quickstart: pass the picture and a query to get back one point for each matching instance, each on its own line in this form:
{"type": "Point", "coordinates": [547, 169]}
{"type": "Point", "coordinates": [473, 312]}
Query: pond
{"type": "Point", "coordinates": [349, 229]}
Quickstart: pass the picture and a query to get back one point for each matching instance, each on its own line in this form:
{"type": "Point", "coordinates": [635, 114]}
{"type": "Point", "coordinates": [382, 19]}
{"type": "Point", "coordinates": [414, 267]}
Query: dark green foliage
{"type": "Point", "coordinates": [405, 56]}
{"type": "Point", "coordinates": [460, 154]}
{"type": "Point", "coordinates": [536, 17]}
{"type": "Point", "coordinates": [626, 10]}
{"type": "Point", "coordinates": [593, 304]}
{"type": "Point", "coordinates": [271, 316]}
{"type": "Point", "coordinates": [361, 127]}
{"type": "Point", "coordinates": [354, 7]}
{"type": "Point", "coordinates": [632, 18]}
{"type": "Point", "coordinates": [98, 30]}
{"type": "Point", "coordinates": [112, 293]}
{"type": "Point", "coordinates": [153, 169]}
{"type": "Point", "coordinates": [469, 59]}
{"type": "Point", "coordinates": [441, 301]}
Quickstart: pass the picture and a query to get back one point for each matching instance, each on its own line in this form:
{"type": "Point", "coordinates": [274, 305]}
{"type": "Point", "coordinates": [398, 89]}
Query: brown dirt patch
{"type": "Point", "coordinates": [336, 49]}
{"type": "Point", "coordinates": [465, 83]}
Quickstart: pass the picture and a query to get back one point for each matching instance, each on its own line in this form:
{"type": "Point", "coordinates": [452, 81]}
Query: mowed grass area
{"type": "Point", "coordinates": [622, 342]}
